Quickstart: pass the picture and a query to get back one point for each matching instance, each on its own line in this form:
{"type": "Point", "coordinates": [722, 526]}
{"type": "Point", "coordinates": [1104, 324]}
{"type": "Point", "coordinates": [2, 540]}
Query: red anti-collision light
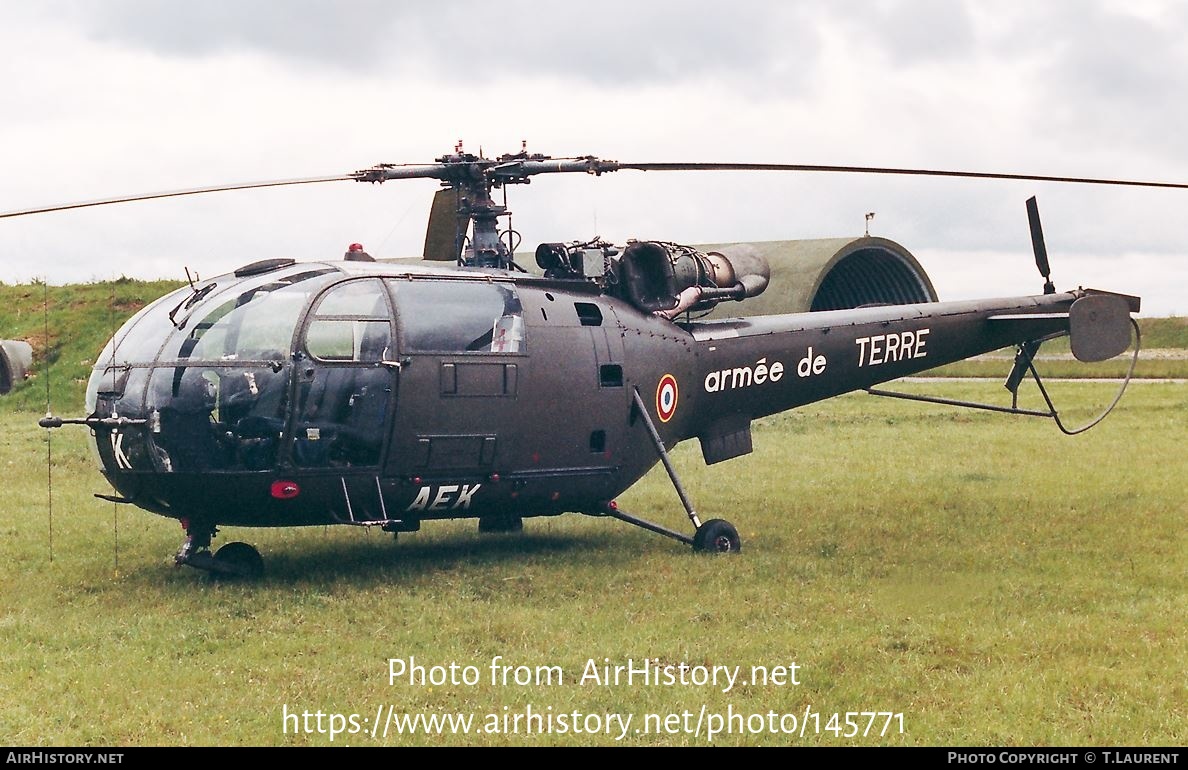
{"type": "Point", "coordinates": [283, 489]}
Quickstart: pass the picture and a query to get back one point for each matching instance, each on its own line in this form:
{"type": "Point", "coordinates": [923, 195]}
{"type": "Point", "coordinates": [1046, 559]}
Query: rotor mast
{"type": "Point", "coordinates": [473, 177]}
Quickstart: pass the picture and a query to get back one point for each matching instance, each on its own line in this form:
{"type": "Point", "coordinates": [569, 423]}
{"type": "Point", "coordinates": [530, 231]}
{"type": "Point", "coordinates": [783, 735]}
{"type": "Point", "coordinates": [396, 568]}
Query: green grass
{"type": "Point", "coordinates": [994, 581]}
{"type": "Point", "coordinates": [1165, 332]}
{"type": "Point", "coordinates": [81, 319]}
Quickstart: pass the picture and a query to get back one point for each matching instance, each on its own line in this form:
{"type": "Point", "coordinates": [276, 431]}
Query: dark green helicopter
{"type": "Point", "coordinates": [385, 394]}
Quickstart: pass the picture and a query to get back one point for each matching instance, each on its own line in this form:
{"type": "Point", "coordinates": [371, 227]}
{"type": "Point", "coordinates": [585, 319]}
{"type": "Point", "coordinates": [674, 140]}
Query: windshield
{"type": "Point", "coordinates": [252, 321]}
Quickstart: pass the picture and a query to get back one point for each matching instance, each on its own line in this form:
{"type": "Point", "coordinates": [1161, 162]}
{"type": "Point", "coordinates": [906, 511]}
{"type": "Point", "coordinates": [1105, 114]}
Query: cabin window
{"type": "Point", "coordinates": [343, 397]}
{"type": "Point", "coordinates": [588, 314]}
{"type": "Point", "coordinates": [459, 317]}
{"type": "Point", "coordinates": [610, 375]}
{"type": "Point", "coordinates": [364, 299]}
{"type": "Point", "coordinates": [332, 339]}
{"type": "Point", "coordinates": [341, 416]}
{"type": "Point", "coordinates": [350, 323]}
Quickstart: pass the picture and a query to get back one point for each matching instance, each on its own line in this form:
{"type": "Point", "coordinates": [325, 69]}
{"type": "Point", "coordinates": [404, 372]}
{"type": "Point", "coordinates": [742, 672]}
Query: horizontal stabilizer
{"type": "Point", "coordinates": [1028, 316]}
{"type": "Point", "coordinates": [1098, 324]}
{"type": "Point", "coordinates": [1133, 304]}
{"type": "Point", "coordinates": [1033, 326]}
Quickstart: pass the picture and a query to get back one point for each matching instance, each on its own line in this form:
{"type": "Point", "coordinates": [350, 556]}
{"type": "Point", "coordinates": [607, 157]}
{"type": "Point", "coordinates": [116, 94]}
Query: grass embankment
{"type": "Point", "coordinates": [81, 319]}
{"type": "Point", "coordinates": [991, 580]}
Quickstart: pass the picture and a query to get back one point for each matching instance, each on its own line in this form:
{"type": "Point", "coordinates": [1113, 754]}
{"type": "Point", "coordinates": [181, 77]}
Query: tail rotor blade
{"type": "Point", "coordinates": [1037, 245]}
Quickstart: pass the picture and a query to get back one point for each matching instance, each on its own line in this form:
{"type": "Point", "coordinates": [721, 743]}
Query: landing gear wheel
{"type": "Point", "coordinates": [237, 560]}
{"type": "Point", "coordinates": [500, 524]}
{"type": "Point", "coordinates": [717, 536]}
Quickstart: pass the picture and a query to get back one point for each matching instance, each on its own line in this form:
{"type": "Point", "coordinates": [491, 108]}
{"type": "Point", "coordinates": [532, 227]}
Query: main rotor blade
{"type": "Point", "coordinates": [894, 171]}
{"type": "Point", "coordinates": [516, 169]}
{"type": "Point", "coordinates": [177, 193]}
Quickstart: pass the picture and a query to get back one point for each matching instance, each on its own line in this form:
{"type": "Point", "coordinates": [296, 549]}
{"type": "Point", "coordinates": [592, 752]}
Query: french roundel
{"type": "Point", "coordinates": [666, 398]}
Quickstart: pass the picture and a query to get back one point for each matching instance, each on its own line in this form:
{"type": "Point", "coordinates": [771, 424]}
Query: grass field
{"type": "Point", "coordinates": [991, 580]}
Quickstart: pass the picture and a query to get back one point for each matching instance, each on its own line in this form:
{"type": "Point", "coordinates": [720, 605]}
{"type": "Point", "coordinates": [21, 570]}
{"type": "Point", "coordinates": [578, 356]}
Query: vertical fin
{"type": "Point", "coordinates": [443, 236]}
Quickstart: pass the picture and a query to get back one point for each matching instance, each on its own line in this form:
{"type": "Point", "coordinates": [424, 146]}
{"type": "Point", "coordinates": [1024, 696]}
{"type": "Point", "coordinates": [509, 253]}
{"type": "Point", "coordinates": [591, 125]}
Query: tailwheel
{"type": "Point", "coordinates": [717, 536]}
{"type": "Point", "coordinates": [237, 560]}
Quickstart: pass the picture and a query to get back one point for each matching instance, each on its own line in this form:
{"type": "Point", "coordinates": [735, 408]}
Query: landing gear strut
{"type": "Point", "coordinates": [713, 536]}
{"type": "Point", "coordinates": [233, 560]}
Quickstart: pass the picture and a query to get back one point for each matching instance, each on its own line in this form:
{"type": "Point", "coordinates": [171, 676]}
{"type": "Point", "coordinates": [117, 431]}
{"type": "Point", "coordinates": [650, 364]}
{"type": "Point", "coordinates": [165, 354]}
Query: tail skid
{"type": "Point", "coordinates": [1099, 329]}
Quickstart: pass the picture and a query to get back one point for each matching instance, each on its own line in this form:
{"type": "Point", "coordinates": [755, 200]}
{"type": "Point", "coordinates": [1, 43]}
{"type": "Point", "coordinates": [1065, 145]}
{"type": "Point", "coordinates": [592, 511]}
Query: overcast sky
{"type": "Point", "coordinates": [128, 96]}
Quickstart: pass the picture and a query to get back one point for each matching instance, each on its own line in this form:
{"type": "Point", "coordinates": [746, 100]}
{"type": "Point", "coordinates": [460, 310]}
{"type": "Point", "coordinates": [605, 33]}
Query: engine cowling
{"type": "Point", "coordinates": [669, 278]}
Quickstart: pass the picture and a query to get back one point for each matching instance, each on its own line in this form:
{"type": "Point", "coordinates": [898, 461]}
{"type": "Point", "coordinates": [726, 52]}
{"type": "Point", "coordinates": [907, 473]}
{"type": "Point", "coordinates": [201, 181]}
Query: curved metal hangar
{"type": "Point", "coordinates": [833, 274]}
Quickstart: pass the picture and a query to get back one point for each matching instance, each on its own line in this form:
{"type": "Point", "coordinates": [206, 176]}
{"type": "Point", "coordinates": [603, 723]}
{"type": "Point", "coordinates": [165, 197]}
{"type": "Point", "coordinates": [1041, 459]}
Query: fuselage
{"type": "Point", "coordinates": [363, 392]}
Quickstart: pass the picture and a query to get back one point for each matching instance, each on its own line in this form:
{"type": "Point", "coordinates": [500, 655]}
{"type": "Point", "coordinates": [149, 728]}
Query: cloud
{"type": "Point", "coordinates": [609, 43]}
{"type": "Point", "coordinates": [1120, 79]}
{"type": "Point", "coordinates": [908, 32]}
{"type": "Point", "coordinates": [132, 96]}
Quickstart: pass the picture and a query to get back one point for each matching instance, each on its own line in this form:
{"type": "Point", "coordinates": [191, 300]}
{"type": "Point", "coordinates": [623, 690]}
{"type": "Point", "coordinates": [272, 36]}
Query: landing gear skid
{"type": "Point", "coordinates": [713, 536]}
{"type": "Point", "coordinates": [233, 560]}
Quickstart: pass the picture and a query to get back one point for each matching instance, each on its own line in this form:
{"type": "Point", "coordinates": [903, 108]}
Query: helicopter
{"type": "Point", "coordinates": [388, 393]}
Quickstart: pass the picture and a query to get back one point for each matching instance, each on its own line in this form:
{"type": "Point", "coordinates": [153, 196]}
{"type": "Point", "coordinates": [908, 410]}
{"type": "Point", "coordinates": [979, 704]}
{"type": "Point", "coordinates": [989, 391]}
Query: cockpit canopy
{"type": "Point", "coordinates": [291, 362]}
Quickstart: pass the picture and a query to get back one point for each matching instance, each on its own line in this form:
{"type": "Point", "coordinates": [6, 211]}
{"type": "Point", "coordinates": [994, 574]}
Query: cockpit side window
{"type": "Point", "coordinates": [351, 323]}
{"type": "Point", "coordinates": [343, 393]}
{"type": "Point", "coordinates": [459, 317]}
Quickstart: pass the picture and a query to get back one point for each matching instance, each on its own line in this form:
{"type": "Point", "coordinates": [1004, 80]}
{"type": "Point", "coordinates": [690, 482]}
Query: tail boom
{"type": "Point", "coordinates": [750, 368]}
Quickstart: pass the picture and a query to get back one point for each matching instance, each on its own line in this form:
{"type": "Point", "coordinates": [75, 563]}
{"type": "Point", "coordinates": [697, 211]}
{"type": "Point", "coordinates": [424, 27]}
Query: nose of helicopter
{"type": "Point", "coordinates": [204, 373]}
